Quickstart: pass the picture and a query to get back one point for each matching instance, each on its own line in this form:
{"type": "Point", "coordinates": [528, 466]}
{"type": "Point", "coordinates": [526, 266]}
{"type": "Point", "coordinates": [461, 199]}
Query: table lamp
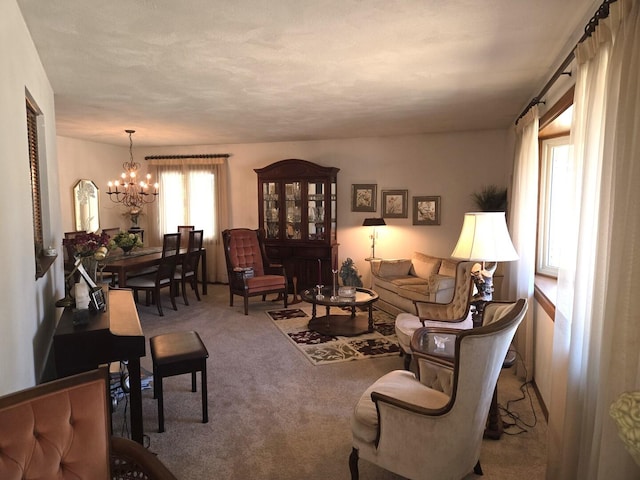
{"type": "Point", "coordinates": [373, 222]}
{"type": "Point", "coordinates": [484, 238]}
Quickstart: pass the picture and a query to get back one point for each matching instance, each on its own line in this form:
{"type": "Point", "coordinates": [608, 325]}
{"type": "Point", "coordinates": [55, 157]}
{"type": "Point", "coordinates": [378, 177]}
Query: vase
{"type": "Point", "coordinates": [90, 264]}
{"type": "Point", "coordinates": [127, 249]}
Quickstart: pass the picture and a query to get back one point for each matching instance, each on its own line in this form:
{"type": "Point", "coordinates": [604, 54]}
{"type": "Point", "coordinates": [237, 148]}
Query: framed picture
{"type": "Point", "coordinates": [394, 204]}
{"type": "Point", "coordinates": [363, 197]}
{"type": "Point", "coordinates": [426, 210]}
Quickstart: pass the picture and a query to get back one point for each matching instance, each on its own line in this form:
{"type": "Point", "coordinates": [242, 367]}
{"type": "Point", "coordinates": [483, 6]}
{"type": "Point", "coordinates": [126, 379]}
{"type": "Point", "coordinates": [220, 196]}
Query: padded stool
{"type": "Point", "coordinates": [174, 354]}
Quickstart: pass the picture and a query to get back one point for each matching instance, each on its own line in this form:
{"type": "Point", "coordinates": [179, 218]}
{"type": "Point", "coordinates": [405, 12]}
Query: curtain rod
{"type": "Point", "coordinates": [601, 14]}
{"type": "Point", "coordinates": [177, 157]}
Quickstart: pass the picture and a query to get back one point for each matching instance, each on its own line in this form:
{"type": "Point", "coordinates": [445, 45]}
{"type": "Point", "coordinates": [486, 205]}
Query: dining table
{"type": "Point", "coordinates": [139, 259]}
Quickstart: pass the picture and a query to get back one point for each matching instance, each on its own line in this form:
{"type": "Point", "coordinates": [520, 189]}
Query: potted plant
{"type": "Point", "coordinates": [491, 199]}
{"type": "Point", "coordinates": [126, 241]}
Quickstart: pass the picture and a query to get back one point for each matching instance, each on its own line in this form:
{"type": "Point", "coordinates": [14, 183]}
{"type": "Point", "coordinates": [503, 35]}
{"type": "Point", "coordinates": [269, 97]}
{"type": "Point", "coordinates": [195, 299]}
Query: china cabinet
{"type": "Point", "coordinates": [297, 210]}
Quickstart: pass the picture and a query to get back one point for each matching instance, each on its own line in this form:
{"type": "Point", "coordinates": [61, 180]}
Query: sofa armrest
{"type": "Point", "coordinates": [131, 460]}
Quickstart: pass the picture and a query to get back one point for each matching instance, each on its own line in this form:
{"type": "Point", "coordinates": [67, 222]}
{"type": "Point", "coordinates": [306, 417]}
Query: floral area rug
{"type": "Point", "coordinates": [322, 349]}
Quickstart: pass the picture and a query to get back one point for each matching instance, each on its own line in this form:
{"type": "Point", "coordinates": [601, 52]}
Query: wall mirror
{"type": "Point", "coordinates": [85, 200]}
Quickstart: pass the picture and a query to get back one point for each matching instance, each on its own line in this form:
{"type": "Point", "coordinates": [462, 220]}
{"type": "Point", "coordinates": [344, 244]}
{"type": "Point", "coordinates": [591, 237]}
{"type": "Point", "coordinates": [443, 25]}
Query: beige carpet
{"type": "Point", "coordinates": [273, 415]}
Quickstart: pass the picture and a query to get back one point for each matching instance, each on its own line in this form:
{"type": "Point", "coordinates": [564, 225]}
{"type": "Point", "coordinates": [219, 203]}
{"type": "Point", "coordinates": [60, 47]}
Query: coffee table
{"type": "Point", "coordinates": [343, 325]}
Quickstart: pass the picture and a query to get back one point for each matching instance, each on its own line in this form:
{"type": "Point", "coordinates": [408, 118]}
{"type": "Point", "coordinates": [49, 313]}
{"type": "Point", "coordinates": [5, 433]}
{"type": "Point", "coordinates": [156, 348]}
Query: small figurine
{"type": "Point", "coordinates": [349, 274]}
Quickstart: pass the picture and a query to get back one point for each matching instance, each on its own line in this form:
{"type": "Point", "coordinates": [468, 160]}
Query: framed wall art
{"type": "Point", "coordinates": [394, 204]}
{"type": "Point", "coordinates": [363, 197]}
{"type": "Point", "coordinates": [426, 210]}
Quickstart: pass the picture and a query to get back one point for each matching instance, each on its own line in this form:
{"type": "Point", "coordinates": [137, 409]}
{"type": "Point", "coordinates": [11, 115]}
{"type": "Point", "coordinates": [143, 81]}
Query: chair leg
{"type": "Point", "coordinates": [184, 291]}
{"type": "Point", "coordinates": [194, 387]}
{"type": "Point", "coordinates": [246, 305]}
{"type": "Point", "coordinates": [353, 464]}
{"type": "Point", "coordinates": [158, 381]}
{"type": "Point", "coordinates": [205, 406]}
{"type": "Point", "coordinates": [286, 298]}
{"type": "Point", "coordinates": [159, 303]}
{"type": "Point", "coordinates": [478, 469]}
{"type": "Point", "coordinates": [194, 284]}
{"type": "Point", "coordinates": [173, 299]}
{"type": "Point", "coordinates": [231, 299]}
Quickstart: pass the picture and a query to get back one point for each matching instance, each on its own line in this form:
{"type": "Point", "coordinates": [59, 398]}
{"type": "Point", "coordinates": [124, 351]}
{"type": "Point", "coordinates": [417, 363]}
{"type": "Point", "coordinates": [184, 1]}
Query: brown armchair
{"type": "Point", "coordinates": [250, 271]}
{"type": "Point", "coordinates": [61, 430]}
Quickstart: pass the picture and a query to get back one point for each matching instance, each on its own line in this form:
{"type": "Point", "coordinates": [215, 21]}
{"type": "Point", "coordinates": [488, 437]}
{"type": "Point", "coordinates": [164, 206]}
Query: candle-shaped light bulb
{"type": "Point", "coordinates": [148, 177]}
{"type": "Point", "coordinates": [155, 186]}
{"type": "Point", "coordinates": [110, 184]}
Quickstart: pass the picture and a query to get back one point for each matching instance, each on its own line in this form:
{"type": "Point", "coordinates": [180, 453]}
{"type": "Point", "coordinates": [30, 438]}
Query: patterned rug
{"type": "Point", "coordinates": [323, 349]}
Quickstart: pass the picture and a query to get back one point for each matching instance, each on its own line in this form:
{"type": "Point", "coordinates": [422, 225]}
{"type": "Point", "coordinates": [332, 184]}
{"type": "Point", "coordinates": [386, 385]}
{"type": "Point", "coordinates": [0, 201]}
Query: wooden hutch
{"type": "Point", "coordinates": [297, 203]}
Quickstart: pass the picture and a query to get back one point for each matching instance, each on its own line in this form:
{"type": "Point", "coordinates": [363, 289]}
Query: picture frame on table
{"type": "Point", "coordinates": [426, 210]}
{"type": "Point", "coordinates": [363, 197]}
{"type": "Point", "coordinates": [395, 204]}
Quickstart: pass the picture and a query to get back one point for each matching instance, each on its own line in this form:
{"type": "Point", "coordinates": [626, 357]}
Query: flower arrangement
{"type": "Point", "coordinates": [86, 244]}
{"type": "Point", "coordinates": [125, 240]}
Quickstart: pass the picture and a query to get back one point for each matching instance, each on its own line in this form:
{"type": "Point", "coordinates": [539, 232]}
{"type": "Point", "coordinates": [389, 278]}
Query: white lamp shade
{"type": "Point", "coordinates": [484, 238]}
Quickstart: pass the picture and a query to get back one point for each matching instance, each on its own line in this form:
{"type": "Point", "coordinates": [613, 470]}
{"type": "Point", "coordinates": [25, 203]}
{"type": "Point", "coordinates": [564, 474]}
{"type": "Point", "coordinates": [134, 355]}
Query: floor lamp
{"type": "Point", "coordinates": [373, 222]}
{"type": "Point", "coordinates": [484, 238]}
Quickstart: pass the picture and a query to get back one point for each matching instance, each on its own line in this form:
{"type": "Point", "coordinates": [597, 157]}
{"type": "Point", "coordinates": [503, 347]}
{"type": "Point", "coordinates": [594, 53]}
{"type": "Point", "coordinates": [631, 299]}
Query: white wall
{"type": "Point", "coordinates": [27, 305]}
{"type": "Point", "coordinates": [452, 165]}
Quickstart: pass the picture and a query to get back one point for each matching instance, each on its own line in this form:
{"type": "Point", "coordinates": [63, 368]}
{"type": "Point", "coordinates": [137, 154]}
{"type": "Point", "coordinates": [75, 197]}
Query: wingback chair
{"type": "Point", "coordinates": [61, 429]}
{"type": "Point", "coordinates": [454, 314]}
{"type": "Point", "coordinates": [418, 432]}
{"type": "Point", "coordinates": [249, 269]}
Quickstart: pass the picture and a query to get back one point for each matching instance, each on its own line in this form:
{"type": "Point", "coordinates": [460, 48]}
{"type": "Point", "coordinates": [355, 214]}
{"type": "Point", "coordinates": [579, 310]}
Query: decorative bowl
{"type": "Point", "coordinates": [347, 291]}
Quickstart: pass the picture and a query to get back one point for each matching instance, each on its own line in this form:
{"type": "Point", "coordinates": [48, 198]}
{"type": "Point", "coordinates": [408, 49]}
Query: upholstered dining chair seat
{"type": "Point", "coordinates": [146, 281]}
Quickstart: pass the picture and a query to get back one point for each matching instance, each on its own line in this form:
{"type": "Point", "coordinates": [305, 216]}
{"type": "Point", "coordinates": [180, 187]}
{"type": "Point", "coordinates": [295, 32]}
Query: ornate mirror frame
{"type": "Point", "coordinates": [87, 206]}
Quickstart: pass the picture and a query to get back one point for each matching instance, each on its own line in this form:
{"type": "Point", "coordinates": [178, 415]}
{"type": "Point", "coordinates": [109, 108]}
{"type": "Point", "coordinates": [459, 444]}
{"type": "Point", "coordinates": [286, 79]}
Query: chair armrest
{"type": "Point", "coordinates": [131, 460]}
{"type": "Point", "coordinates": [408, 406]}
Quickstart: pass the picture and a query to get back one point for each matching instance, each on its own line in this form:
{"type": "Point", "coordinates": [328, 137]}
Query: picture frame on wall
{"type": "Point", "coordinates": [426, 210]}
{"type": "Point", "coordinates": [395, 203]}
{"type": "Point", "coordinates": [363, 197]}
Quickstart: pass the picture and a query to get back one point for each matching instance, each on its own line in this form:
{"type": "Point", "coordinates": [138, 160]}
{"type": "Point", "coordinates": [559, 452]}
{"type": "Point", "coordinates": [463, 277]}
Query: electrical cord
{"type": "Point", "coordinates": [512, 422]}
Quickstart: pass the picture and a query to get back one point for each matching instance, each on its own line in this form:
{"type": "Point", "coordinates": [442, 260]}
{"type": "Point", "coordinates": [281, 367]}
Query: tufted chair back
{"type": "Point", "coordinates": [56, 430]}
{"type": "Point", "coordinates": [244, 250]}
{"type": "Point", "coordinates": [458, 308]}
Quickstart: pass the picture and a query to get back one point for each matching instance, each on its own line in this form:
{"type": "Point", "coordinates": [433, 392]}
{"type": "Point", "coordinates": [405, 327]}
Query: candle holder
{"type": "Point", "coordinates": [334, 294]}
{"type": "Point", "coordinates": [319, 295]}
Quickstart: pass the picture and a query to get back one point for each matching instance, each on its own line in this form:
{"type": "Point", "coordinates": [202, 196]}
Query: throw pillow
{"type": "Point", "coordinates": [424, 266]}
{"type": "Point", "coordinates": [394, 268]}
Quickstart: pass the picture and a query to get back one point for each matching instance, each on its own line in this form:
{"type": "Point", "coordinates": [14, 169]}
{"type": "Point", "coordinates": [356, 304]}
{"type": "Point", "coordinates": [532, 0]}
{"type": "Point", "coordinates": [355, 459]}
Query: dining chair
{"type": "Point", "coordinates": [184, 231]}
{"type": "Point", "coordinates": [152, 283]}
{"type": "Point", "coordinates": [187, 271]}
{"type": "Point", "coordinates": [109, 277]}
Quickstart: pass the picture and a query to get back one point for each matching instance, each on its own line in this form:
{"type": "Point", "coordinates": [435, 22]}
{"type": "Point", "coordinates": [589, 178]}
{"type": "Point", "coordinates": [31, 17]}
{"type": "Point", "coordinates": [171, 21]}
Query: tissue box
{"type": "Point", "coordinates": [347, 292]}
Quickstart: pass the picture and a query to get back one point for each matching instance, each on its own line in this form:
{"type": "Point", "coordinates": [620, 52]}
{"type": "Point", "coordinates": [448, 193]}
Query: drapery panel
{"type": "Point", "coordinates": [522, 227]}
{"type": "Point", "coordinates": [597, 333]}
{"type": "Point", "coordinates": [194, 192]}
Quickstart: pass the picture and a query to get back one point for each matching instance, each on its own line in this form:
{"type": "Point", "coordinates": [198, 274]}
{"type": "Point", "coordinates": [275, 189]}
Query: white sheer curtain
{"type": "Point", "coordinates": [597, 333]}
{"type": "Point", "coordinates": [523, 214]}
{"type": "Point", "coordinates": [194, 192]}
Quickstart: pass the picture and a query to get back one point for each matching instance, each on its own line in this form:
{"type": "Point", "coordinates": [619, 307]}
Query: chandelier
{"type": "Point", "coordinates": [128, 190]}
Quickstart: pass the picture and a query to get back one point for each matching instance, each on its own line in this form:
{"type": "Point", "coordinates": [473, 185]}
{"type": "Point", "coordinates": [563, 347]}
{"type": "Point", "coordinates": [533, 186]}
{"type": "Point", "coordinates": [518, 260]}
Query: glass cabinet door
{"type": "Point", "coordinates": [293, 205]}
{"type": "Point", "coordinates": [316, 210]}
{"type": "Point", "coordinates": [271, 209]}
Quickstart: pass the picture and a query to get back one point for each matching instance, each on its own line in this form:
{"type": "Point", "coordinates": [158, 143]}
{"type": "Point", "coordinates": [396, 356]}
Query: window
{"type": "Point", "coordinates": [555, 168]}
{"type": "Point", "coordinates": [188, 198]}
{"type": "Point", "coordinates": [556, 160]}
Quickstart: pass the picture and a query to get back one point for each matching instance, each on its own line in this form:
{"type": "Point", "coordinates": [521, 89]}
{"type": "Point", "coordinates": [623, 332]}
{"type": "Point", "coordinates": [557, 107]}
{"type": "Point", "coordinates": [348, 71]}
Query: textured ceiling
{"type": "Point", "coordinates": [243, 71]}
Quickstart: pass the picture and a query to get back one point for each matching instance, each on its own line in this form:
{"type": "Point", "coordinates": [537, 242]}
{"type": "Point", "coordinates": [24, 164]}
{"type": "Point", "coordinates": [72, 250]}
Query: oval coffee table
{"type": "Point", "coordinates": [343, 325]}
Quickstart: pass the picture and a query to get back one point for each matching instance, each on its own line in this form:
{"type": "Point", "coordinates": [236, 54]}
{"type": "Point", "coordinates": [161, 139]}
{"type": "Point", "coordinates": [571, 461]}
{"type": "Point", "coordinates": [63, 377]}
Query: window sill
{"type": "Point", "coordinates": [545, 292]}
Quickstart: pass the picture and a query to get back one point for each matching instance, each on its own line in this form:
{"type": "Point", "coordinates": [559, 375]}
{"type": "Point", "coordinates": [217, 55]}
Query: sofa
{"type": "Point", "coordinates": [401, 282]}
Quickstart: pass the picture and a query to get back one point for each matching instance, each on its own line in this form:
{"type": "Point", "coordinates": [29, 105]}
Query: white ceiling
{"type": "Point", "coordinates": [243, 71]}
